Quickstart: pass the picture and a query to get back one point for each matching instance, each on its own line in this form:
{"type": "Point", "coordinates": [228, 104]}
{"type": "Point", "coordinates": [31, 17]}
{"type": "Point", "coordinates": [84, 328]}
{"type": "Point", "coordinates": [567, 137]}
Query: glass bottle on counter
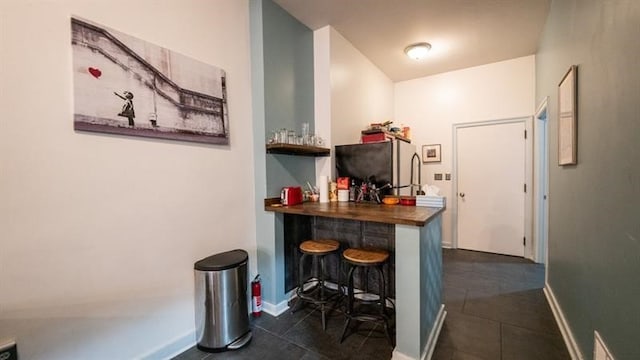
{"type": "Point", "coordinates": [353, 190]}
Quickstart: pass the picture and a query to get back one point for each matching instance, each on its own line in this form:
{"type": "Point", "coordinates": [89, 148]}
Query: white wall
{"type": "Point", "coordinates": [431, 105]}
{"type": "Point", "coordinates": [99, 233]}
{"type": "Point", "coordinates": [359, 93]}
{"type": "Point", "coordinates": [322, 94]}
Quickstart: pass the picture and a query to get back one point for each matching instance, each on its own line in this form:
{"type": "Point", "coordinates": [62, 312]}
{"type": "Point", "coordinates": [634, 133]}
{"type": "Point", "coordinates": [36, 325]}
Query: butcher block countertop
{"type": "Point", "coordinates": [388, 214]}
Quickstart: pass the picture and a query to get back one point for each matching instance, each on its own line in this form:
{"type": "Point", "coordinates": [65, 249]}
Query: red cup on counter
{"type": "Point", "coordinates": [408, 200]}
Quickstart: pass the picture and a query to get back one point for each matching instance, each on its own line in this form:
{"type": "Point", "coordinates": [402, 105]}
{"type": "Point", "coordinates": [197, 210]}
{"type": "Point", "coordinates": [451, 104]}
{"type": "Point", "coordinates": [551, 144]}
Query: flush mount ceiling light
{"type": "Point", "coordinates": [417, 51]}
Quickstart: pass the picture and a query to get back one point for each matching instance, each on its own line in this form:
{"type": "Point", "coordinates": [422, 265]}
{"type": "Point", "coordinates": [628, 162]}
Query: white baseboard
{"type": "Point", "coordinates": [172, 348]}
{"type": "Point", "coordinates": [432, 340]}
{"type": "Point", "coordinates": [396, 355]}
{"type": "Point", "coordinates": [435, 333]}
{"type": "Point", "coordinates": [447, 245]}
{"type": "Point", "coordinates": [567, 335]}
{"type": "Point", "coordinates": [275, 310]}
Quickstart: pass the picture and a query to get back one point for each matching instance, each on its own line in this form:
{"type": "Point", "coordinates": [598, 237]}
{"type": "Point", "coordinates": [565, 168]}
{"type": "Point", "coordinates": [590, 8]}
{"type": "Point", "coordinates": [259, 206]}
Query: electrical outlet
{"type": "Point", "coordinates": [8, 349]}
{"type": "Point", "coordinates": [600, 350]}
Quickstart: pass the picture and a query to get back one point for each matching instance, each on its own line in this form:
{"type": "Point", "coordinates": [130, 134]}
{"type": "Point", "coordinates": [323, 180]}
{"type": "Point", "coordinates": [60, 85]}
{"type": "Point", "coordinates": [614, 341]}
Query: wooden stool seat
{"type": "Point", "coordinates": [366, 256]}
{"type": "Point", "coordinates": [319, 246]}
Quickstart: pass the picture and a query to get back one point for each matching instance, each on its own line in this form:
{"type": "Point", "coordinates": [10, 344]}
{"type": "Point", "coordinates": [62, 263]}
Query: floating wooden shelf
{"type": "Point", "coordinates": [303, 150]}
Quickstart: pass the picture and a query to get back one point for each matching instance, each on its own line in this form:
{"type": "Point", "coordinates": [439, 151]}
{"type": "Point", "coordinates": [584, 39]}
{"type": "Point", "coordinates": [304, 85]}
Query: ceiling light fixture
{"type": "Point", "coordinates": [417, 51]}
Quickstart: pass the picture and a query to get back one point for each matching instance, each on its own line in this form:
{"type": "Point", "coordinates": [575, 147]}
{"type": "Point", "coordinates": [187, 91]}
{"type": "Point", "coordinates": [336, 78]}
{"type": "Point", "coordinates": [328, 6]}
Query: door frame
{"type": "Point", "coordinates": [528, 200]}
{"type": "Point", "coordinates": [541, 182]}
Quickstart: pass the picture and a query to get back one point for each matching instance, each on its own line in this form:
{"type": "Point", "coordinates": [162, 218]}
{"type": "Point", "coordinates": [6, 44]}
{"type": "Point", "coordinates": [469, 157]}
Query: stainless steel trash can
{"type": "Point", "coordinates": [222, 314]}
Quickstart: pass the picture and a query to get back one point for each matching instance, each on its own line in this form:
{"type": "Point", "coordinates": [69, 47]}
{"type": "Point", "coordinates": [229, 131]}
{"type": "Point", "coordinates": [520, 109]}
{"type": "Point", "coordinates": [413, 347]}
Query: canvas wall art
{"type": "Point", "coordinates": [124, 85]}
{"type": "Point", "coordinates": [567, 119]}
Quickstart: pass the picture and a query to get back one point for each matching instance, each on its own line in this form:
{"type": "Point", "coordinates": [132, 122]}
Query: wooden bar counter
{"type": "Point", "coordinates": [412, 234]}
{"type": "Point", "coordinates": [388, 214]}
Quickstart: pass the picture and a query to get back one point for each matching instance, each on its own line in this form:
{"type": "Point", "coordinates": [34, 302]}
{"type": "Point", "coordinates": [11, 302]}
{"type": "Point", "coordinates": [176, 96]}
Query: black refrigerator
{"type": "Point", "coordinates": [389, 162]}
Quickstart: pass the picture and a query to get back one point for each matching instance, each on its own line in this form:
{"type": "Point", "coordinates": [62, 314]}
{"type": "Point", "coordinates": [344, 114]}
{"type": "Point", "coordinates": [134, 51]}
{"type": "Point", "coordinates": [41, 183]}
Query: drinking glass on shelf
{"type": "Point", "coordinates": [291, 137]}
{"type": "Point", "coordinates": [273, 138]}
{"type": "Point", "coordinates": [282, 139]}
{"type": "Point", "coordinates": [305, 133]}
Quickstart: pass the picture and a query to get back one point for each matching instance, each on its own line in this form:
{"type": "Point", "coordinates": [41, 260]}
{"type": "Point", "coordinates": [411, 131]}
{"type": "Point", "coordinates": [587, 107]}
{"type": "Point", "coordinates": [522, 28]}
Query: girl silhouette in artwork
{"type": "Point", "coordinates": [127, 107]}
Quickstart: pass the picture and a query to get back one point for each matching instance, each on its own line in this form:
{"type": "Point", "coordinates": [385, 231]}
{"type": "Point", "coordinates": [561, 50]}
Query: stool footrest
{"type": "Point", "coordinates": [312, 295]}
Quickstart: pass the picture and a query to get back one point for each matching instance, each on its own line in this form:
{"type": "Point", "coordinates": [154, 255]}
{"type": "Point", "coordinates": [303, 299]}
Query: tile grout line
{"type": "Point", "coordinates": [302, 346]}
{"type": "Point", "coordinates": [501, 342]}
{"type": "Point", "coordinates": [282, 337]}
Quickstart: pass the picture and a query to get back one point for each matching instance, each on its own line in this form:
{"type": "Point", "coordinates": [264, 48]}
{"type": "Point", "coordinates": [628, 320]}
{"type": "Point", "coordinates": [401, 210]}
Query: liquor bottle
{"type": "Point", "coordinates": [353, 190]}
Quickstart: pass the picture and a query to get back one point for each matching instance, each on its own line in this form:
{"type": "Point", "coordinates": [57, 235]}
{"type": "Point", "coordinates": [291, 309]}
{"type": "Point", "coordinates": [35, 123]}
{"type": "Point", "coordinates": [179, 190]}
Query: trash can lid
{"type": "Point", "coordinates": [222, 261]}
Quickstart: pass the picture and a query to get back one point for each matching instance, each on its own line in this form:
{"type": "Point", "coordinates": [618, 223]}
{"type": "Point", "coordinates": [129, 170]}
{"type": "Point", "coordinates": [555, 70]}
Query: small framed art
{"type": "Point", "coordinates": [431, 153]}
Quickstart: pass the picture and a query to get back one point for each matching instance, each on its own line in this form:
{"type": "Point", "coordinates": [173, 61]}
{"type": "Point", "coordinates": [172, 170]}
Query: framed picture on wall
{"type": "Point", "coordinates": [567, 118]}
{"type": "Point", "coordinates": [128, 86]}
{"type": "Point", "coordinates": [431, 153]}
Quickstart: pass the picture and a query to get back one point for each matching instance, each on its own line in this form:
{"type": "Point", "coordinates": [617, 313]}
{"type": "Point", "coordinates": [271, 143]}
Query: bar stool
{"type": "Point", "coordinates": [317, 294]}
{"type": "Point", "coordinates": [365, 259]}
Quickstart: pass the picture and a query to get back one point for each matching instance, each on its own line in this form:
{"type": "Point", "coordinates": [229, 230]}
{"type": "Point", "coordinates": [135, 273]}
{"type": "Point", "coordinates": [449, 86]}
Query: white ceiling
{"type": "Point", "coordinates": [463, 33]}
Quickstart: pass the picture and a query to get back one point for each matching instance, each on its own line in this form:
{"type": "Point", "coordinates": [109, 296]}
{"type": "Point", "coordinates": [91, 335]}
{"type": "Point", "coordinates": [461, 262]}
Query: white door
{"type": "Point", "coordinates": [490, 183]}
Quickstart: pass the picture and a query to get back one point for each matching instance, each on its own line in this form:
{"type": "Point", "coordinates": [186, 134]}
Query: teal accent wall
{"type": "Point", "coordinates": [288, 89]}
{"type": "Point", "coordinates": [594, 226]}
{"type": "Point", "coordinates": [282, 97]}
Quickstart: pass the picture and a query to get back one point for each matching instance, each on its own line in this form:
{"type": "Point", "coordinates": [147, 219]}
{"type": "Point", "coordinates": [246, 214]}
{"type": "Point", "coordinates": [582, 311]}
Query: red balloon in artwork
{"type": "Point", "coordinates": [95, 72]}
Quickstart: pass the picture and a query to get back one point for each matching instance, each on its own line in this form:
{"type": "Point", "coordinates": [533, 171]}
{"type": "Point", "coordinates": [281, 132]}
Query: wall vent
{"type": "Point", "coordinates": [600, 350]}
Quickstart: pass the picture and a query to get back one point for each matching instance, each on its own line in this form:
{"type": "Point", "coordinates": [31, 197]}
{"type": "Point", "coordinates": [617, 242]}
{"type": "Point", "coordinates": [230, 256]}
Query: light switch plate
{"type": "Point", "coordinates": [447, 176]}
{"type": "Point", "coordinates": [437, 176]}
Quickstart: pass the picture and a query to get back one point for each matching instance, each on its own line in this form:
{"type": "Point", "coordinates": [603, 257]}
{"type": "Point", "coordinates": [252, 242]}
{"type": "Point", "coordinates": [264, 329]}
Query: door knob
{"type": "Point", "coordinates": [461, 195]}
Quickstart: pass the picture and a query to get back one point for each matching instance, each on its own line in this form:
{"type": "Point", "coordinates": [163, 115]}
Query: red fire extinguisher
{"type": "Point", "coordinates": [256, 297]}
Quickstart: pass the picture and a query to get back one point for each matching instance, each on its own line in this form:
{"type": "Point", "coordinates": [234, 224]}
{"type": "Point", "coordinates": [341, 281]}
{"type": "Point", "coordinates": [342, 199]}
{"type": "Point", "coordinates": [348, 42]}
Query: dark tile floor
{"type": "Point", "coordinates": [496, 310]}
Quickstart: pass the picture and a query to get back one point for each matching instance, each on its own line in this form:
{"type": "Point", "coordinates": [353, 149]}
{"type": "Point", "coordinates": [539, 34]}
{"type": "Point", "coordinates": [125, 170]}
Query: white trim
{"type": "Point", "coordinates": [432, 340]}
{"type": "Point", "coordinates": [172, 348]}
{"type": "Point", "coordinates": [435, 333]}
{"type": "Point", "coordinates": [396, 355]}
{"type": "Point", "coordinates": [541, 170]}
{"type": "Point", "coordinates": [565, 329]}
{"type": "Point", "coordinates": [599, 342]}
{"type": "Point", "coordinates": [529, 249]}
{"type": "Point", "coordinates": [275, 310]}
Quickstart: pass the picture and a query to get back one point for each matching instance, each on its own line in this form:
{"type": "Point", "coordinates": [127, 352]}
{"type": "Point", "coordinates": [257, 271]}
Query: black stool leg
{"type": "Point", "coordinates": [349, 302]}
{"type": "Point", "coordinates": [383, 305]}
{"type": "Point", "coordinates": [322, 296]}
{"type": "Point", "coordinates": [298, 305]}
